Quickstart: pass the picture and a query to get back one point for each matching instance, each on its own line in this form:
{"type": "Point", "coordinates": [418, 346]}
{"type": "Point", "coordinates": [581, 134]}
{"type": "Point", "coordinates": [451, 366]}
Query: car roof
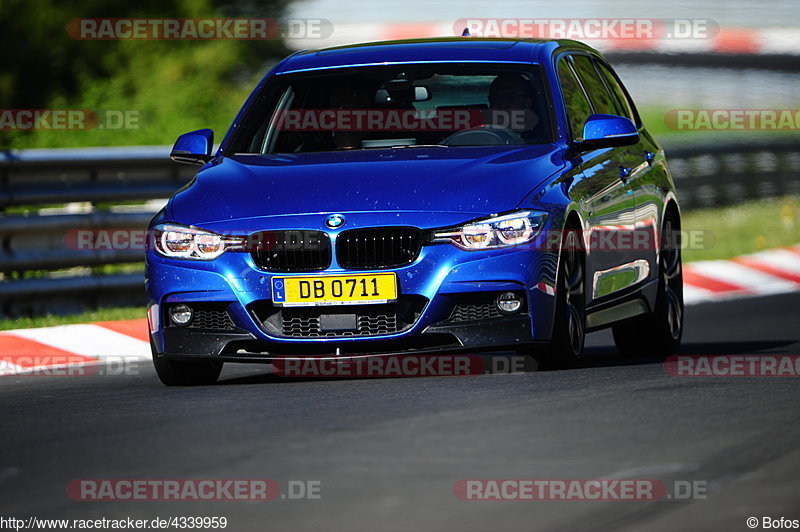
{"type": "Point", "coordinates": [451, 49]}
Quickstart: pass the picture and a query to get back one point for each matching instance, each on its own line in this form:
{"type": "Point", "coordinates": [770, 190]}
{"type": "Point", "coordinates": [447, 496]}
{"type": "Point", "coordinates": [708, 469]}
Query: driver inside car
{"type": "Point", "coordinates": [511, 105]}
{"type": "Point", "coordinates": [350, 96]}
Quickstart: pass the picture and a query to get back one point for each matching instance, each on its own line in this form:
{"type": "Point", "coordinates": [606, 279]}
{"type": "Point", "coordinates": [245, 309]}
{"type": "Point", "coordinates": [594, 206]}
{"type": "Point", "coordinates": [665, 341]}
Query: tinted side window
{"type": "Point", "coordinates": [620, 98]}
{"type": "Point", "coordinates": [598, 94]}
{"type": "Point", "coordinates": [577, 106]}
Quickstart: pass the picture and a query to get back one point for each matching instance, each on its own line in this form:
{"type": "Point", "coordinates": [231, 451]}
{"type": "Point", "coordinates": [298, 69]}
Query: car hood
{"type": "Point", "coordinates": [474, 180]}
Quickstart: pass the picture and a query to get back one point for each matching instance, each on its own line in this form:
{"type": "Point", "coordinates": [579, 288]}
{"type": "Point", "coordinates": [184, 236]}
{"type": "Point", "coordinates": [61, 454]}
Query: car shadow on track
{"type": "Point", "coordinates": [594, 357]}
{"type": "Point", "coordinates": [602, 356]}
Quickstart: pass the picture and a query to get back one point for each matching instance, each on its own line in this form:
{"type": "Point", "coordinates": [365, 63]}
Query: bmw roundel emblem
{"type": "Point", "coordinates": [335, 221]}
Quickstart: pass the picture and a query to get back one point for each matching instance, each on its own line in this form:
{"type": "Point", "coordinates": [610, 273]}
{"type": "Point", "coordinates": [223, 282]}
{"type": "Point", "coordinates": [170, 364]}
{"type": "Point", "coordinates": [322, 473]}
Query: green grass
{"type": "Point", "coordinates": [105, 314]}
{"type": "Point", "coordinates": [728, 231]}
{"type": "Point", "coordinates": [744, 228]}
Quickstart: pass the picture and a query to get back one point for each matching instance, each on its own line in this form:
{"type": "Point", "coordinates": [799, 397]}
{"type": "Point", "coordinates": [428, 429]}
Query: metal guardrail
{"type": "Point", "coordinates": [36, 177]}
{"type": "Point", "coordinates": [40, 274]}
{"type": "Point", "coordinates": [777, 62]}
{"type": "Point", "coordinates": [724, 172]}
{"type": "Point", "coordinates": [47, 194]}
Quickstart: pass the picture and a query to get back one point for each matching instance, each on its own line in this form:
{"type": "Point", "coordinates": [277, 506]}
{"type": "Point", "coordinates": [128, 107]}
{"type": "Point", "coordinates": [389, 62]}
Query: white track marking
{"type": "Point", "coordinates": [7, 368]}
{"type": "Point", "coordinates": [695, 294]}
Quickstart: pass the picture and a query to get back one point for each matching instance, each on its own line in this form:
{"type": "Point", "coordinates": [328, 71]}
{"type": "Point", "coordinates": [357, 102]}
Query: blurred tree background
{"type": "Point", "coordinates": [174, 85]}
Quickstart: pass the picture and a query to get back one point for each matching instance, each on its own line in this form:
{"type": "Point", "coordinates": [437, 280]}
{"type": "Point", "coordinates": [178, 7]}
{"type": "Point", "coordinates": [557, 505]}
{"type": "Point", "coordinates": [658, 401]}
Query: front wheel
{"type": "Point", "coordinates": [569, 328]}
{"type": "Point", "coordinates": [185, 372]}
{"type": "Point", "coordinates": [660, 332]}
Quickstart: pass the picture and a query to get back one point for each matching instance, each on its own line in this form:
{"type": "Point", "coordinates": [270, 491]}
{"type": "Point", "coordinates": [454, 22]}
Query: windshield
{"type": "Point", "coordinates": [397, 106]}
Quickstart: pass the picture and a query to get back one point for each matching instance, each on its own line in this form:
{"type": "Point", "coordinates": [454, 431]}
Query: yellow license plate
{"type": "Point", "coordinates": [360, 289]}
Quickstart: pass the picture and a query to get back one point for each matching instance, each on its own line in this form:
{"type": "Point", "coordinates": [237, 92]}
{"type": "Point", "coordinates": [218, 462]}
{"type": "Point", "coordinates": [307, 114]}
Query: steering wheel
{"type": "Point", "coordinates": [485, 135]}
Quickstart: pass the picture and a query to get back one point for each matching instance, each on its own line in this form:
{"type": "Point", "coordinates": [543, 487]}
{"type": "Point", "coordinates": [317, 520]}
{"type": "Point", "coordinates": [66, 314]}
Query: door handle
{"type": "Point", "coordinates": [649, 156]}
{"type": "Point", "coordinates": [624, 174]}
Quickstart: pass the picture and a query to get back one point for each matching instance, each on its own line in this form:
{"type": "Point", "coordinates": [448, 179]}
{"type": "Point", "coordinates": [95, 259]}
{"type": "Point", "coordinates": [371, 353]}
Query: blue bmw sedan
{"type": "Point", "coordinates": [418, 197]}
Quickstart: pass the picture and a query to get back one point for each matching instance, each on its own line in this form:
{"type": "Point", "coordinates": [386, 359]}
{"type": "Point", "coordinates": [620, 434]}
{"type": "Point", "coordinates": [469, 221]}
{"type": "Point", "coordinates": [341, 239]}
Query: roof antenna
{"type": "Point", "coordinates": [465, 33]}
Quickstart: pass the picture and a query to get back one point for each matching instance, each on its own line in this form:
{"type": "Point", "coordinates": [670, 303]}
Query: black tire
{"type": "Point", "coordinates": [185, 372]}
{"type": "Point", "coordinates": [659, 333]}
{"type": "Point", "coordinates": [569, 327]}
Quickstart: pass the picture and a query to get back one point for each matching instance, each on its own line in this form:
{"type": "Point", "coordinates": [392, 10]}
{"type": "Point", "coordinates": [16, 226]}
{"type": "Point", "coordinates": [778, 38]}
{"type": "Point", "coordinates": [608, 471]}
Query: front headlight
{"type": "Point", "coordinates": [184, 242]}
{"type": "Point", "coordinates": [507, 230]}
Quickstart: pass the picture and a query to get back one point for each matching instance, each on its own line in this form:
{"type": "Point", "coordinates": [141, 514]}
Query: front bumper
{"type": "Point", "coordinates": [431, 288]}
{"type": "Point", "coordinates": [242, 346]}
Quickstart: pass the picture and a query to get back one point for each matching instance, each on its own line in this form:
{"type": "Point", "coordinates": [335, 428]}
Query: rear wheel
{"type": "Point", "coordinates": [185, 372]}
{"type": "Point", "coordinates": [569, 328]}
{"type": "Point", "coordinates": [660, 332]}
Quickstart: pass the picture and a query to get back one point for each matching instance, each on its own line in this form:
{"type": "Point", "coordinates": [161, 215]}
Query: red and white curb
{"type": "Point", "coordinates": [775, 40]}
{"type": "Point", "coordinates": [37, 351]}
{"type": "Point", "coordinates": [40, 350]}
{"type": "Point", "coordinates": [774, 271]}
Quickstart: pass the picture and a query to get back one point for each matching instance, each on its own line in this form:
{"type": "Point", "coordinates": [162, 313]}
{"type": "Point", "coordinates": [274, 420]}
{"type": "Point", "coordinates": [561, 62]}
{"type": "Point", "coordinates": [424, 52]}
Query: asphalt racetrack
{"type": "Point", "coordinates": [386, 454]}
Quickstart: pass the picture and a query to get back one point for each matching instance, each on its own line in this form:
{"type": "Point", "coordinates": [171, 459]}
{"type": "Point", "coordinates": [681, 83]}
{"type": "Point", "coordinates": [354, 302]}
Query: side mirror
{"type": "Point", "coordinates": [607, 131]}
{"type": "Point", "coordinates": [194, 147]}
